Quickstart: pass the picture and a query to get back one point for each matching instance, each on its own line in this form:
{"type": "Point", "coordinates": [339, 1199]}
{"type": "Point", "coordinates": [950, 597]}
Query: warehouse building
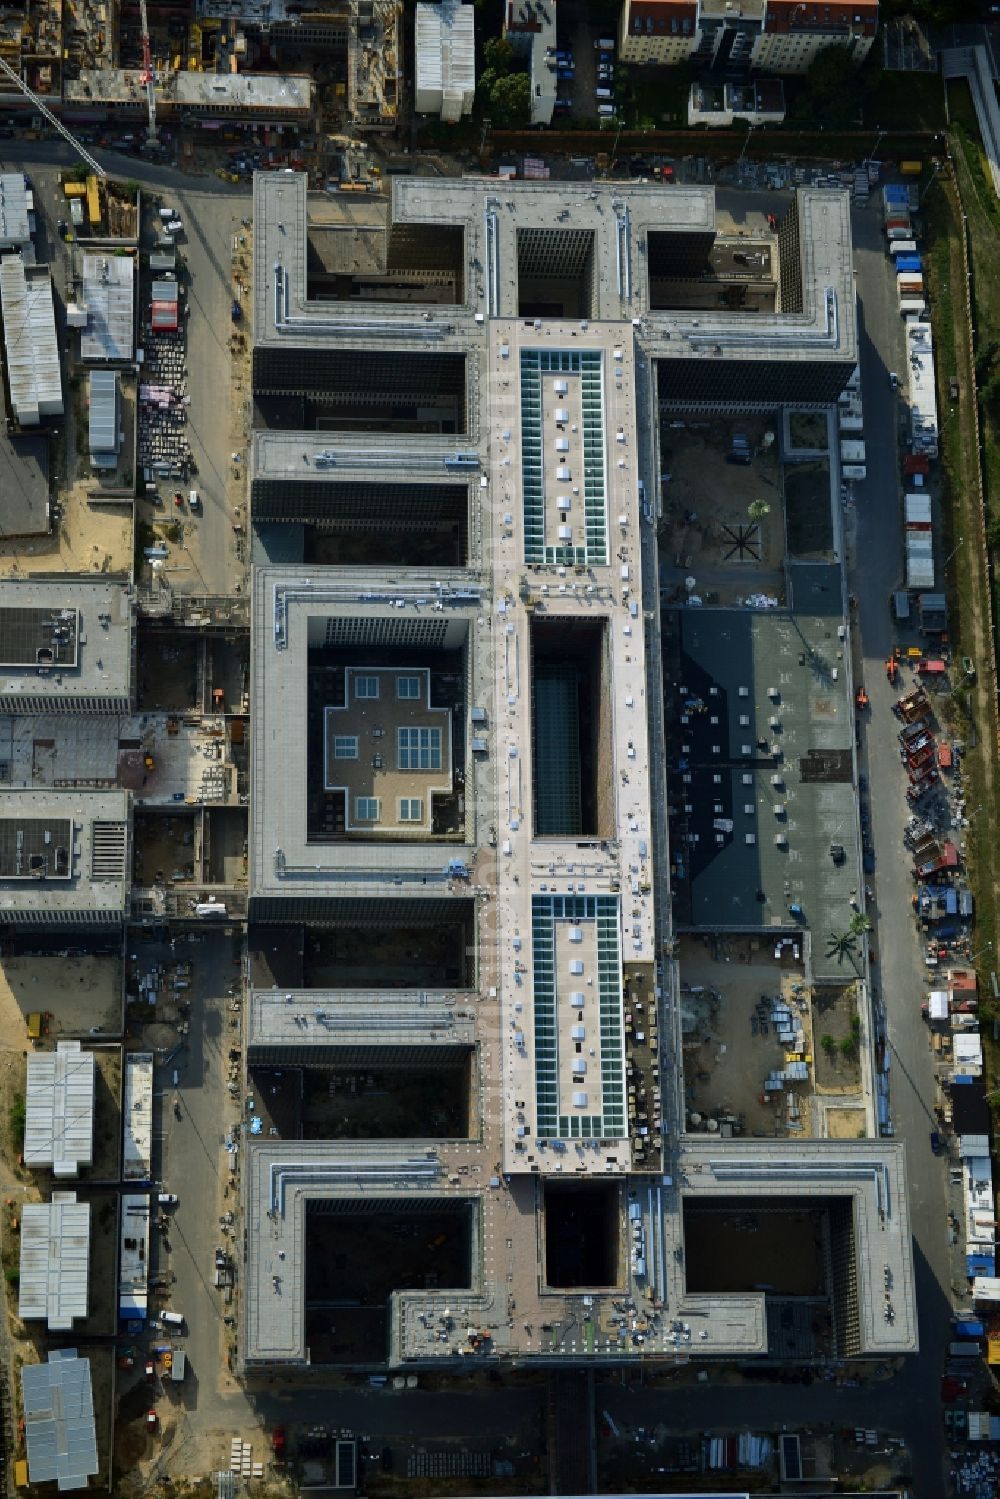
{"type": "Point", "coordinates": [59, 1431]}
{"type": "Point", "coordinates": [31, 349]}
{"type": "Point", "coordinates": [59, 1109]}
{"type": "Point", "coordinates": [15, 223]}
{"type": "Point", "coordinates": [109, 300]}
{"type": "Point", "coordinates": [445, 48]}
{"type": "Point", "coordinates": [104, 422]}
{"type": "Point", "coordinates": [55, 1261]}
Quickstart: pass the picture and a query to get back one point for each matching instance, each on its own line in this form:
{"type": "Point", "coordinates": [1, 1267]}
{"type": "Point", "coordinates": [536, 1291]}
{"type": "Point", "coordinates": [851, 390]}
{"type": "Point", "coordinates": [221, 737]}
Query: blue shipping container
{"type": "Point", "coordinates": [908, 263]}
{"type": "Point", "coordinates": [895, 192]}
{"type": "Point", "coordinates": [969, 1330]}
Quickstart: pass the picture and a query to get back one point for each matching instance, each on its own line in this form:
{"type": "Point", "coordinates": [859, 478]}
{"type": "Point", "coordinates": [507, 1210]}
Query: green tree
{"type": "Point", "coordinates": [510, 101]}
{"type": "Point", "coordinates": [758, 510]}
{"type": "Point", "coordinates": [498, 56]}
{"type": "Point", "coordinates": [841, 945]}
{"type": "Point", "coordinates": [859, 924]}
{"type": "Point", "coordinates": [831, 88]}
{"type": "Point", "coordinates": [828, 1044]}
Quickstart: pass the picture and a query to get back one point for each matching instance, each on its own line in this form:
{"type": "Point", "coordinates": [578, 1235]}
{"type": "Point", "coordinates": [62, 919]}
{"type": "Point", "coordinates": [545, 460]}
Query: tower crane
{"type": "Point", "coordinates": [43, 109]}
{"type": "Point", "coordinates": [147, 77]}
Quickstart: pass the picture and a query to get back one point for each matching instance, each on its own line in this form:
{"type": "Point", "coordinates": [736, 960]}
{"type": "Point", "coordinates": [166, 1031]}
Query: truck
{"type": "Point", "coordinates": [178, 1365]}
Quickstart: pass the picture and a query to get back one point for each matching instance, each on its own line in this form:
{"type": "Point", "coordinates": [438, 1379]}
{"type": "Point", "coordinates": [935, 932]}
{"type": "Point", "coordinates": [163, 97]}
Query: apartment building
{"type": "Point", "coordinates": [771, 36]}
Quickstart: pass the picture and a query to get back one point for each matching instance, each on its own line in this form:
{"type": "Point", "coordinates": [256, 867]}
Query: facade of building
{"type": "Point", "coordinates": [770, 36]}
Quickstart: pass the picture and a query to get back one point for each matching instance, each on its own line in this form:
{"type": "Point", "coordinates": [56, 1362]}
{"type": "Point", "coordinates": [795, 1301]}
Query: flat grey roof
{"type": "Point", "coordinates": [104, 436]}
{"type": "Point", "coordinates": [277, 93]}
{"type": "Point", "coordinates": [312, 1018]}
{"type": "Point", "coordinates": [55, 1261]}
{"type": "Point", "coordinates": [34, 372]}
{"type": "Point", "coordinates": [59, 1420]}
{"type": "Point", "coordinates": [768, 802]}
{"type": "Point", "coordinates": [96, 613]}
{"type": "Point", "coordinates": [872, 1173]}
{"type": "Point", "coordinates": [14, 226]}
{"type": "Point", "coordinates": [620, 216]}
{"type": "Point", "coordinates": [137, 1111]}
{"type": "Point", "coordinates": [109, 296]}
{"type": "Point", "coordinates": [34, 636]}
{"type": "Point", "coordinates": [279, 1179]}
{"type": "Point", "coordinates": [97, 884]}
{"type": "Point", "coordinates": [59, 1109]}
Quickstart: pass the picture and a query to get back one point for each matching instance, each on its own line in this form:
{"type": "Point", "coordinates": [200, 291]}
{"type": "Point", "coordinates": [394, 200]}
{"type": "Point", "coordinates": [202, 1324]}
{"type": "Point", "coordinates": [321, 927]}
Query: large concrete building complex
{"type": "Point", "coordinates": [462, 826]}
{"type": "Point", "coordinates": [770, 36]}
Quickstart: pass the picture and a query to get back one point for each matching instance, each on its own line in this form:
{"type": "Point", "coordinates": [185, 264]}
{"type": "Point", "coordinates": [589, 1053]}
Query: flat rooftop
{"type": "Point", "coordinates": [871, 1175]}
{"type": "Point", "coordinates": [109, 297]}
{"type": "Point", "coordinates": [69, 638]}
{"type": "Point", "coordinates": [307, 1021]}
{"type": "Point", "coordinates": [59, 1427]}
{"type": "Point", "coordinates": [55, 1261]}
{"type": "Point", "coordinates": [278, 94]}
{"type": "Point", "coordinates": [59, 1109]}
{"type": "Point", "coordinates": [387, 750]}
{"type": "Point", "coordinates": [89, 880]}
{"type": "Point", "coordinates": [766, 800]}
{"type": "Point", "coordinates": [137, 1111]}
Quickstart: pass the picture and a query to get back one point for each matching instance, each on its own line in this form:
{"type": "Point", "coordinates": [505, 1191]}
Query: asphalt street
{"type": "Point", "coordinates": [877, 564]}
{"type": "Point", "coordinates": [190, 1158]}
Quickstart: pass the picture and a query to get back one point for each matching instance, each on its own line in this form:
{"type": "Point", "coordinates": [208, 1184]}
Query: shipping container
{"type": "Point", "coordinates": [853, 471]}
{"type": "Point", "coordinates": [911, 168]}
{"type": "Point", "coordinates": [903, 247]}
{"type": "Point", "coordinates": [912, 307]}
{"type": "Point", "coordinates": [908, 263]}
{"type": "Point", "coordinates": [852, 451]}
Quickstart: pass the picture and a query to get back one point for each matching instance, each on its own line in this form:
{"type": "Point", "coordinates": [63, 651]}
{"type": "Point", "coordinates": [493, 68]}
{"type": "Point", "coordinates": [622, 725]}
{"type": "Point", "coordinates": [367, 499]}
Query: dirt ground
{"type": "Point", "coordinates": [707, 532]}
{"type": "Point", "coordinates": [725, 1063]}
{"type": "Point", "coordinates": [90, 538]}
{"type": "Point", "coordinates": [808, 518]}
{"type": "Point", "coordinates": [834, 1007]}
{"type": "Point", "coordinates": [845, 1124]}
{"type": "Point", "coordinates": [107, 1114]}
{"type": "Point", "coordinates": [79, 994]}
{"type": "Point", "coordinates": [164, 844]}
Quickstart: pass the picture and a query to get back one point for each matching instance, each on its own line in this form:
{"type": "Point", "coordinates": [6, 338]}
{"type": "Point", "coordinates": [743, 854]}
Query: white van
{"type": "Point", "coordinates": [172, 1319]}
{"type": "Point", "coordinates": [194, 502]}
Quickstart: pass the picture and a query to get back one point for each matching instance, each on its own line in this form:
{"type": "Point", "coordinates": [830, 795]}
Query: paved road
{"type": "Point", "coordinates": [190, 1159]}
{"type": "Point", "coordinates": [877, 568]}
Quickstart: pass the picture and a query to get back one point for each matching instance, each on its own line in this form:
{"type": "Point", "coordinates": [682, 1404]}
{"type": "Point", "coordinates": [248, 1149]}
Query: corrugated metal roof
{"type": "Point", "coordinates": [59, 1109]}
{"type": "Point", "coordinates": [108, 292]}
{"type": "Point", "coordinates": [165, 291]}
{"type": "Point", "coordinates": [14, 226]}
{"type": "Point", "coordinates": [29, 330]}
{"type": "Point", "coordinates": [104, 431]}
{"type": "Point", "coordinates": [55, 1261]}
{"type": "Point", "coordinates": [59, 1420]}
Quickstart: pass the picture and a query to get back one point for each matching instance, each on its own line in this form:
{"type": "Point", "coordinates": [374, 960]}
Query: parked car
{"type": "Point", "coordinates": [935, 1142]}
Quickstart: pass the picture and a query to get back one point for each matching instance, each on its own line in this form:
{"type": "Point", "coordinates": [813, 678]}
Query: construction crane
{"type": "Point", "coordinates": [146, 77]}
{"type": "Point", "coordinates": [43, 109]}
